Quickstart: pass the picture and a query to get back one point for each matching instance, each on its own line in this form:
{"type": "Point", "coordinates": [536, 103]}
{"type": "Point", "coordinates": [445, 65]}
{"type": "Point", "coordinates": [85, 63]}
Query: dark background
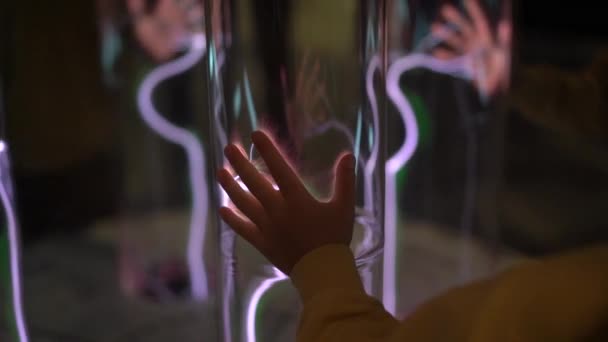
{"type": "Point", "coordinates": [64, 136]}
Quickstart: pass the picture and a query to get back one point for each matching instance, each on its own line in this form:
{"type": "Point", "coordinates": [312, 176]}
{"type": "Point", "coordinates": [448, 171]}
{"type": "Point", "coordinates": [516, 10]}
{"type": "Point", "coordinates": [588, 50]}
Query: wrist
{"type": "Point", "coordinates": [329, 267]}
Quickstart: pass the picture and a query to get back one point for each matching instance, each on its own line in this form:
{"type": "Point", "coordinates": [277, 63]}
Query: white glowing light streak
{"type": "Point", "coordinates": [266, 284]}
{"type": "Point", "coordinates": [14, 253]}
{"type": "Point", "coordinates": [457, 67]}
{"type": "Point", "coordinates": [250, 106]}
{"type": "Point", "coordinates": [374, 63]}
{"type": "Point", "coordinates": [357, 146]}
{"type": "Point", "coordinates": [217, 63]}
{"type": "Point", "coordinates": [227, 236]}
{"type": "Point", "coordinates": [194, 152]}
{"type": "Point", "coordinates": [254, 301]}
{"type": "Point", "coordinates": [258, 292]}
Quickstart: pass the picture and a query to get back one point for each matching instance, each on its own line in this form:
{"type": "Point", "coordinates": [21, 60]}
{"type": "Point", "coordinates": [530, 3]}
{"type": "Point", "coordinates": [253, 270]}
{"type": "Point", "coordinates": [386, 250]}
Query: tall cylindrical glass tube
{"type": "Point", "coordinates": [310, 73]}
{"type": "Point", "coordinates": [152, 56]}
{"type": "Point", "coordinates": [449, 65]}
{"type": "Point", "coordinates": [13, 325]}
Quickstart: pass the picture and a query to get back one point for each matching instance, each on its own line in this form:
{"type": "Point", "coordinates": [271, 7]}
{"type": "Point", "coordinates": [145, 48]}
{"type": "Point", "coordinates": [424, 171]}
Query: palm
{"type": "Point", "coordinates": [284, 221]}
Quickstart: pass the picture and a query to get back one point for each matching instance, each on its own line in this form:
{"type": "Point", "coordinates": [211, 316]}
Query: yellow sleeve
{"type": "Point", "coordinates": [559, 299]}
{"type": "Point", "coordinates": [562, 298]}
{"type": "Point", "coordinates": [335, 304]}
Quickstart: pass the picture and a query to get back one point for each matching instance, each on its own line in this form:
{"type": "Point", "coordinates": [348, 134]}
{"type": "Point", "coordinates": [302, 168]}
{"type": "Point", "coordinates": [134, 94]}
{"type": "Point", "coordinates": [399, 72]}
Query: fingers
{"type": "Point", "coordinates": [444, 54]}
{"type": "Point", "coordinates": [479, 20]}
{"type": "Point", "coordinates": [450, 37]}
{"type": "Point", "coordinates": [257, 184]}
{"type": "Point", "coordinates": [452, 15]}
{"type": "Point", "coordinates": [288, 181]}
{"type": "Point", "coordinates": [245, 228]}
{"type": "Point", "coordinates": [243, 200]}
{"type": "Point", "coordinates": [344, 183]}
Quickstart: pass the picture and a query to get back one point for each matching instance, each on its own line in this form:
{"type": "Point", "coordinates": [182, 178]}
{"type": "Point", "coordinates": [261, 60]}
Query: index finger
{"type": "Point", "coordinates": [479, 20]}
{"type": "Point", "coordinates": [287, 179]}
{"type": "Point", "coordinates": [453, 16]}
{"type": "Point", "coordinates": [255, 182]}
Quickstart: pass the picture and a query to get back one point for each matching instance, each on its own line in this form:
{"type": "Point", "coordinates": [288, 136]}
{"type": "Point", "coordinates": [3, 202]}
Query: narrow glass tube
{"type": "Point", "coordinates": [311, 74]}
{"type": "Point", "coordinates": [449, 65]}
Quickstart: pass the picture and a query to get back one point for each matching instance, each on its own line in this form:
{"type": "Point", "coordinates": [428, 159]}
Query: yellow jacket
{"type": "Point", "coordinates": [561, 298]}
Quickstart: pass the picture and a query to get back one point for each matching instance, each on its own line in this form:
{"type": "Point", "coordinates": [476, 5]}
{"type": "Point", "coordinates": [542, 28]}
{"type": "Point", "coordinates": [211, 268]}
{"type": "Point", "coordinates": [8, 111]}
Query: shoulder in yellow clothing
{"type": "Point", "coordinates": [562, 298]}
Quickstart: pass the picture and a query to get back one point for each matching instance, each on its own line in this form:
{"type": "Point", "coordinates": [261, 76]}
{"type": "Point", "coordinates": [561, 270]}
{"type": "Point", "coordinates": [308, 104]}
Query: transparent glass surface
{"type": "Point", "coordinates": [322, 76]}
{"type": "Point", "coordinates": [13, 326]}
{"type": "Point", "coordinates": [449, 68]}
{"type": "Point", "coordinates": [139, 266]}
{"type": "Point", "coordinates": [165, 247]}
{"type": "Point", "coordinates": [309, 73]}
{"type": "Point", "coordinates": [154, 65]}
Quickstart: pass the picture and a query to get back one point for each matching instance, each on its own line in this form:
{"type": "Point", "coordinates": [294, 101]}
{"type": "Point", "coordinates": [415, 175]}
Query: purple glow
{"type": "Point", "coordinates": [14, 252]}
{"type": "Point", "coordinates": [224, 199]}
{"type": "Point", "coordinates": [370, 165]}
{"type": "Point", "coordinates": [254, 301]}
{"type": "Point", "coordinates": [226, 297]}
{"type": "Point", "coordinates": [332, 124]}
{"type": "Point", "coordinates": [373, 157]}
{"type": "Point", "coordinates": [194, 152]}
{"type": "Point", "coordinates": [459, 68]}
{"type": "Point", "coordinates": [258, 292]}
{"type": "Point", "coordinates": [221, 134]}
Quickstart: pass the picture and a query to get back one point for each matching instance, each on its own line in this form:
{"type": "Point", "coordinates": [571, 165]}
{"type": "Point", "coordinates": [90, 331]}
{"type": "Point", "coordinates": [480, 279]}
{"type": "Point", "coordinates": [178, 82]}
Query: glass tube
{"type": "Point", "coordinates": [155, 60]}
{"type": "Point", "coordinates": [309, 73]}
{"type": "Point", "coordinates": [444, 150]}
{"type": "Point", "coordinates": [138, 265]}
{"type": "Point", "coordinates": [153, 54]}
{"type": "Point", "coordinates": [13, 324]}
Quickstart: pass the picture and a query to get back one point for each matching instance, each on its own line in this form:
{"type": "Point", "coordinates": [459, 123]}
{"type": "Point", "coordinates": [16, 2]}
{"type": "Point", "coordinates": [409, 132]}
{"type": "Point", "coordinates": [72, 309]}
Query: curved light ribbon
{"type": "Point", "coordinates": [254, 301]}
{"type": "Point", "coordinates": [456, 67]}
{"type": "Point", "coordinates": [14, 253]}
{"type": "Point", "coordinates": [195, 155]}
{"type": "Point", "coordinates": [374, 64]}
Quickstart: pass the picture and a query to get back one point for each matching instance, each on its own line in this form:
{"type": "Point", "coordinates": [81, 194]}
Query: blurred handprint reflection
{"type": "Point", "coordinates": [471, 34]}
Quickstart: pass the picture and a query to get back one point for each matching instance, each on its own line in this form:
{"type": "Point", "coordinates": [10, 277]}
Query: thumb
{"type": "Point", "coordinates": [344, 183]}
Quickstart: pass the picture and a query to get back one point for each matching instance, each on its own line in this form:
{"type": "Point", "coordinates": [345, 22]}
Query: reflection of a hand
{"type": "Point", "coordinates": [473, 36]}
{"type": "Point", "coordinates": [161, 30]}
{"type": "Point", "coordinates": [309, 106]}
{"type": "Point", "coordinates": [310, 96]}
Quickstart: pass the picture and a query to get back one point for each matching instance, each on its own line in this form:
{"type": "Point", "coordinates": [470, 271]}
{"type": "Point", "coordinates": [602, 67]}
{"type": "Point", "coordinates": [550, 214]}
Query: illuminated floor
{"type": "Point", "coordinates": [66, 302]}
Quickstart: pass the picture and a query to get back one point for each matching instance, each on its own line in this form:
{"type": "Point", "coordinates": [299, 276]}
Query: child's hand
{"type": "Point", "coordinates": [286, 224]}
